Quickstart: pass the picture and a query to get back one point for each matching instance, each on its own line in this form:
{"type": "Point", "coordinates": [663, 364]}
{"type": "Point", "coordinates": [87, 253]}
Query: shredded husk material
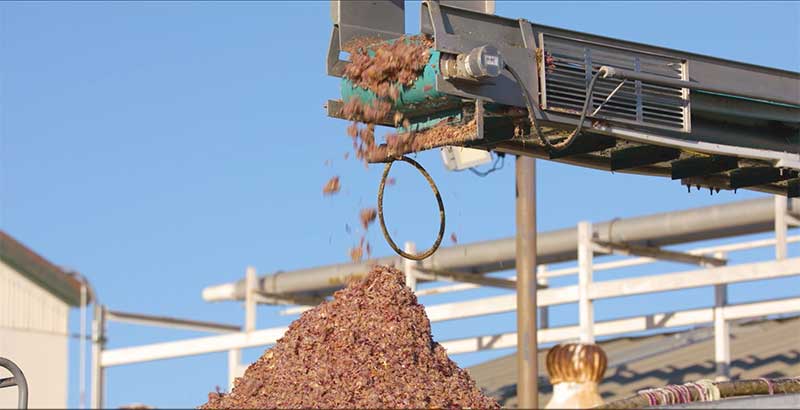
{"type": "Point", "coordinates": [370, 347]}
{"type": "Point", "coordinates": [332, 186]}
{"type": "Point", "coordinates": [399, 63]}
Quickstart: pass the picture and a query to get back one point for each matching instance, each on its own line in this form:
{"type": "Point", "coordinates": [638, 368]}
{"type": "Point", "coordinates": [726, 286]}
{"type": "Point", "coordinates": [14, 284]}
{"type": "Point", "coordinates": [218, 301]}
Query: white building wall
{"type": "Point", "coordinates": [33, 334]}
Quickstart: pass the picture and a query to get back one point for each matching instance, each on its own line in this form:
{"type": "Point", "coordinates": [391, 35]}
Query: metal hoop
{"type": "Point", "coordinates": [435, 246]}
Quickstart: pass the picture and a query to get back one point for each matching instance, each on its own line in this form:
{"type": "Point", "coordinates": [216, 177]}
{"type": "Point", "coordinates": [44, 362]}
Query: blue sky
{"type": "Point", "coordinates": [161, 147]}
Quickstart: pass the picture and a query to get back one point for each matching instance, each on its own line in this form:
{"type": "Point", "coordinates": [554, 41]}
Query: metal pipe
{"type": "Point", "coordinates": [669, 228]}
{"type": "Point", "coordinates": [17, 379]}
{"type": "Point", "coordinates": [527, 346]}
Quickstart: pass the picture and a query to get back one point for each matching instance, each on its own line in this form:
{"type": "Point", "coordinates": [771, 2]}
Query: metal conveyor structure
{"type": "Point", "coordinates": [705, 121]}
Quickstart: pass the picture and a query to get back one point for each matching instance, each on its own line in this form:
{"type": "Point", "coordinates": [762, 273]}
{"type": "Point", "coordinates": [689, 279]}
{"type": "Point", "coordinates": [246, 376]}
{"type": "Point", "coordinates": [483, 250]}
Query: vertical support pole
{"type": "Point", "coordinates": [408, 266]}
{"type": "Point", "coordinates": [527, 346]}
{"type": "Point", "coordinates": [82, 347]}
{"type": "Point", "coordinates": [544, 311]}
{"type": "Point", "coordinates": [585, 256]}
{"type": "Point", "coordinates": [781, 227]}
{"type": "Point", "coordinates": [722, 330]}
{"type": "Point", "coordinates": [98, 342]}
{"type": "Point", "coordinates": [250, 305]}
{"type": "Point", "coordinates": [234, 360]}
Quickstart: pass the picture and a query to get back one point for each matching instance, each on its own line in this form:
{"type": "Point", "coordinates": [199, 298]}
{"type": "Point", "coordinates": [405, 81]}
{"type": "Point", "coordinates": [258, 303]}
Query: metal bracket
{"type": "Point", "coordinates": [658, 253]}
{"type": "Point", "coordinates": [378, 19]}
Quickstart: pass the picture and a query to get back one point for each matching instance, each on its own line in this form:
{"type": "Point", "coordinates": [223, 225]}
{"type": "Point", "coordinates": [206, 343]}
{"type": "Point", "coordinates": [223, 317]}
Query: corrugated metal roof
{"type": "Point", "coordinates": [39, 270]}
{"type": "Point", "coordinates": [767, 348]}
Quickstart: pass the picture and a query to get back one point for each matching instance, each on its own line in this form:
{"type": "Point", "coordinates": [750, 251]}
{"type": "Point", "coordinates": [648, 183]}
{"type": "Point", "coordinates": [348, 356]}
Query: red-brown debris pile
{"type": "Point", "coordinates": [332, 186]}
{"type": "Point", "coordinates": [370, 347]}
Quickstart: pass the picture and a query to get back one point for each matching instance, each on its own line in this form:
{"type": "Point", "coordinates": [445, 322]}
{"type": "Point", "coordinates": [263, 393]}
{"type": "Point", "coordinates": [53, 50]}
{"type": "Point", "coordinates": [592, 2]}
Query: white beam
{"type": "Point", "coordinates": [499, 304]}
{"type": "Point", "coordinates": [759, 309]}
{"type": "Point", "coordinates": [625, 263]}
{"type": "Point", "coordinates": [629, 325]}
{"type": "Point", "coordinates": [695, 278]}
{"type": "Point", "coordinates": [190, 347]}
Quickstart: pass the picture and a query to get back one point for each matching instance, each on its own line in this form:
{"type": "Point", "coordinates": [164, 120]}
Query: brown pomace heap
{"type": "Point", "coordinates": [370, 347]}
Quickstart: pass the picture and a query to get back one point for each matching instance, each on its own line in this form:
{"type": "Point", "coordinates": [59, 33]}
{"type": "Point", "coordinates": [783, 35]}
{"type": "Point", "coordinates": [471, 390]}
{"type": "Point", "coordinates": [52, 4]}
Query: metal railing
{"type": "Point", "coordinates": [584, 293]}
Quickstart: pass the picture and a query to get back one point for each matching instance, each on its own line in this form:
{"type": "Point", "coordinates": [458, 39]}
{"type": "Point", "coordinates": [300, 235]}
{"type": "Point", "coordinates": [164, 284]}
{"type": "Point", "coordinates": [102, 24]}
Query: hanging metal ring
{"type": "Point", "coordinates": [435, 246]}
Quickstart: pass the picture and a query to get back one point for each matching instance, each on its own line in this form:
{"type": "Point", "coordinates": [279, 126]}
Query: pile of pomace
{"type": "Point", "coordinates": [370, 347]}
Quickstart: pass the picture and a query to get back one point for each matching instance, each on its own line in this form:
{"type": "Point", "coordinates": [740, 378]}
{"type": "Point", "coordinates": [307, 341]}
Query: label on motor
{"type": "Point", "coordinates": [490, 60]}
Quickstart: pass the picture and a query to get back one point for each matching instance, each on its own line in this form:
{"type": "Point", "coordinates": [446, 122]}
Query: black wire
{"type": "Point", "coordinates": [529, 103]}
{"type": "Point", "coordinates": [501, 158]}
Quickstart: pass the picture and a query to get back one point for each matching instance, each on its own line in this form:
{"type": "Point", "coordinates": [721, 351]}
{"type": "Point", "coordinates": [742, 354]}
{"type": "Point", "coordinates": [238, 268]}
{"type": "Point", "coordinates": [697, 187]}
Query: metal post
{"type": "Point", "coordinates": [408, 266]}
{"type": "Point", "coordinates": [98, 342]}
{"type": "Point", "coordinates": [234, 358]}
{"type": "Point", "coordinates": [544, 311]}
{"type": "Point", "coordinates": [722, 331]}
{"type": "Point", "coordinates": [585, 256]}
{"type": "Point", "coordinates": [527, 346]}
{"type": "Point", "coordinates": [250, 305]}
{"type": "Point", "coordinates": [781, 226]}
{"type": "Point", "coordinates": [82, 347]}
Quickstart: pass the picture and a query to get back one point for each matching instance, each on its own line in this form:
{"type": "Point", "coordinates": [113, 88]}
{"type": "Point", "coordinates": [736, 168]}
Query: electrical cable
{"type": "Point", "coordinates": [435, 246]}
{"type": "Point", "coordinates": [501, 158]}
{"type": "Point", "coordinates": [534, 124]}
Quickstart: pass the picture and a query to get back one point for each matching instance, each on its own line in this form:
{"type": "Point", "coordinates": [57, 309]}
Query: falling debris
{"type": "Point", "coordinates": [356, 253]}
{"type": "Point", "coordinates": [332, 186]}
{"type": "Point", "coordinates": [369, 347]}
{"type": "Point", "coordinates": [367, 217]}
{"type": "Point", "coordinates": [390, 181]}
{"type": "Point", "coordinates": [453, 238]}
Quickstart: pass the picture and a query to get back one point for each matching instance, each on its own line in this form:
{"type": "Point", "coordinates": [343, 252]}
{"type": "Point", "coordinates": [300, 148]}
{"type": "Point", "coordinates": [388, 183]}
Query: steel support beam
{"type": "Point", "coordinates": [527, 351]}
{"type": "Point", "coordinates": [585, 144]}
{"type": "Point", "coordinates": [436, 274]}
{"type": "Point", "coordinates": [169, 322]}
{"type": "Point", "coordinates": [662, 254]}
{"type": "Point", "coordinates": [793, 188]}
{"type": "Point", "coordinates": [747, 177]}
{"type": "Point", "coordinates": [701, 166]}
{"type": "Point", "coordinates": [641, 156]}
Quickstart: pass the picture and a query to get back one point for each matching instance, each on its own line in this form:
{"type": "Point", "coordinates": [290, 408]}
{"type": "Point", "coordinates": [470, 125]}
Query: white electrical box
{"type": "Point", "coordinates": [460, 158]}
